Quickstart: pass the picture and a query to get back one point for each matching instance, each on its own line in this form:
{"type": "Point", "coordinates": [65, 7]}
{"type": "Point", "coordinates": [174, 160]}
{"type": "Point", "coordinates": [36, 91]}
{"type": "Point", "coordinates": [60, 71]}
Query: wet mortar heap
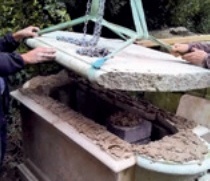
{"type": "Point", "coordinates": [138, 125]}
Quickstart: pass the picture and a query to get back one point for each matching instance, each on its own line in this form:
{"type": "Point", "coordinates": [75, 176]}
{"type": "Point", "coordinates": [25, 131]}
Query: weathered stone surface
{"type": "Point", "coordinates": [194, 108]}
{"type": "Point", "coordinates": [135, 68]}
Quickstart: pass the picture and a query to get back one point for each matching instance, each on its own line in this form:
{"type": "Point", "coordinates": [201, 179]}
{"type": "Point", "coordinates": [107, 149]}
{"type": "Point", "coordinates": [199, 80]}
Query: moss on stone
{"type": "Point", "coordinates": [164, 100]}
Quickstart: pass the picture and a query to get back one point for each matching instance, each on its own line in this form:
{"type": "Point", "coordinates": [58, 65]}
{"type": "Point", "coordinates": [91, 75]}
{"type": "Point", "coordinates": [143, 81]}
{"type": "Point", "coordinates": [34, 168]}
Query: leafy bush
{"type": "Point", "coordinates": [193, 14]}
{"type": "Point", "coordinates": [17, 14]}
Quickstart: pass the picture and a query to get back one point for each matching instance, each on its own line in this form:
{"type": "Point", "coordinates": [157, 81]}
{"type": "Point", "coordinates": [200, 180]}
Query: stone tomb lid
{"type": "Point", "coordinates": [136, 68]}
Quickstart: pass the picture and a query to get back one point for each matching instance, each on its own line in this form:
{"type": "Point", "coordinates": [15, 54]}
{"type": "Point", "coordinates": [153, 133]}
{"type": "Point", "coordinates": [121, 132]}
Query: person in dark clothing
{"type": "Point", "coordinates": [195, 53]}
{"type": "Point", "coordinates": [10, 63]}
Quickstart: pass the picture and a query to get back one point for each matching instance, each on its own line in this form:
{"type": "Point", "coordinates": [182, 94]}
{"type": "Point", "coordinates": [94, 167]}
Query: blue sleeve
{"type": "Point", "coordinates": [8, 43]}
{"type": "Point", "coordinates": [10, 63]}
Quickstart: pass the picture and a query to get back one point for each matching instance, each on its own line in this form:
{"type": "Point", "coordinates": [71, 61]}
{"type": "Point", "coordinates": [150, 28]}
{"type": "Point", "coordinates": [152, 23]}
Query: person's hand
{"type": "Point", "coordinates": [30, 31]}
{"type": "Point", "coordinates": [178, 49]}
{"type": "Point", "coordinates": [38, 55]}
{"type": "Point", "coordinates": [196, 57]}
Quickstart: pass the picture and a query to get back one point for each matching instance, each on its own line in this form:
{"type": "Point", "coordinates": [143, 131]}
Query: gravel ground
{"type": "Point", "coordinates": [14, 152]}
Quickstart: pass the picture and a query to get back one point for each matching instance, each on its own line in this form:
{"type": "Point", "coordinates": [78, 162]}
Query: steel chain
{"type": "Point", "coordinates": [89, 47]}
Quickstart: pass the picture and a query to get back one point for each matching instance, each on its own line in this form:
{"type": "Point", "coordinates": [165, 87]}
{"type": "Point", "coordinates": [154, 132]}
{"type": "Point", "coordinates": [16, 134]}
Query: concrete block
{"type": "Point", "coordinates": [132, 134]}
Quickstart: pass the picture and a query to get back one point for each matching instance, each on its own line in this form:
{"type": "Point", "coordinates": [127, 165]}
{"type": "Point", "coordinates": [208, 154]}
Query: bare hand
{"type": "Point", "coordinates": [178, 49]}
{"type": "Point", "coordinates": [38, 55]}
{"type": "Point", "coordinates": [30, 31]}
{"type": "Point", "coordinates": [196, 57]}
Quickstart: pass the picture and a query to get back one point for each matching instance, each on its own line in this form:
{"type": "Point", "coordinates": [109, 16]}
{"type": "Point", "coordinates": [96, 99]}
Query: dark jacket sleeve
{"type": "Point", "coordinates": [10, 63]}
{"type": "Point", "coordinates": [8, 43]}
{"type": "Point", "coordinates": [206, 62]}
{"type": "Point", "coordinates": [201, 46]}
{"type": "Point", "coordinates": [205, 47]}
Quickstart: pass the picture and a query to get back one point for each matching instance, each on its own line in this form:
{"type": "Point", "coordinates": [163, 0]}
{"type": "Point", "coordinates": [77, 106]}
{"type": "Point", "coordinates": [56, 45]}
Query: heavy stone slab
{"type": "Point", "coordinates": [136, 68]}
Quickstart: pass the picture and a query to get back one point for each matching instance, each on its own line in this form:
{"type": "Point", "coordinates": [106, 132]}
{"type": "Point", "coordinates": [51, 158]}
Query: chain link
{"type": "Point", "coordinates": [89, 47]}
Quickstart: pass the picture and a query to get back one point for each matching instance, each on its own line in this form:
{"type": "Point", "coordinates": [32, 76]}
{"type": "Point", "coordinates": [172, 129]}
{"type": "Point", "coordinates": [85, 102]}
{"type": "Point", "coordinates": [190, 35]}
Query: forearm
{"type": "Point", "coordinates": [10, 63]}
{"type": "Point", "coordinates": [8, 43]}
{"type": "Point", "coordinates": [201, 46]}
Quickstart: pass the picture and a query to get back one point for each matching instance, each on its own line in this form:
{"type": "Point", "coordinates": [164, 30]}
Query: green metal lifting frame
{"type": "Point", "coordinates": [129, 35]}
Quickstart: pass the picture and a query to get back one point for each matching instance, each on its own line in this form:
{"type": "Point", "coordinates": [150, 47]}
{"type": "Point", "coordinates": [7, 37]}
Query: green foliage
{"type": "Point", "coordinates": [193, 14]}
{"type": "Point", "coordinates": [18, 14]}
{"type": "Point", "coordinates": [21, 13]}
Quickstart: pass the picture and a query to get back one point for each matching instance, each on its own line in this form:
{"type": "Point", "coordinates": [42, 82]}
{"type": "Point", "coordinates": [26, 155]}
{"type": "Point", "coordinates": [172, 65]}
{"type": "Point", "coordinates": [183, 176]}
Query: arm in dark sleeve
{"type": "Point", "coordinates": [206, 62]}
{"type": "Point", "coordinates": [8, 43]}
{"type": "Point", "coordinates": [10, 63]}
{"type": "Point", "coordinates": [201, 46]}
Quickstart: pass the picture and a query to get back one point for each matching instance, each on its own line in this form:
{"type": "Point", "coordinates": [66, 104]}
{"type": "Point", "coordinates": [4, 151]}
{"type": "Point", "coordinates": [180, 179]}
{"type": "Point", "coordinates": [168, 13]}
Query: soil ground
{"type": "Point", "coordinates": [14, 152]}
